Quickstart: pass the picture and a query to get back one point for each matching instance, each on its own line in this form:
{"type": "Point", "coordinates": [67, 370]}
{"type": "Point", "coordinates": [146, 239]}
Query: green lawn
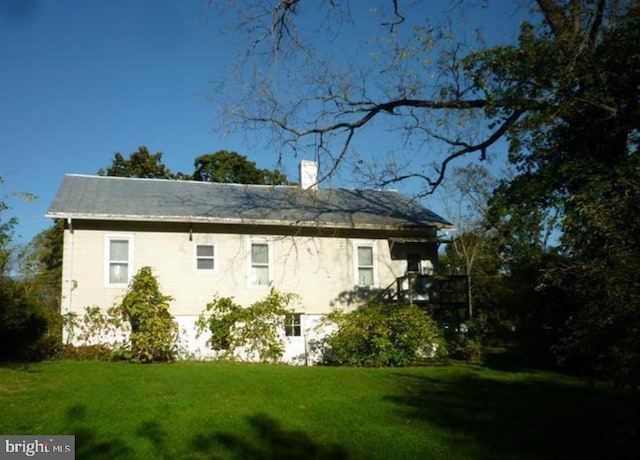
{"type": "Point", "coordinates": [224, 410]}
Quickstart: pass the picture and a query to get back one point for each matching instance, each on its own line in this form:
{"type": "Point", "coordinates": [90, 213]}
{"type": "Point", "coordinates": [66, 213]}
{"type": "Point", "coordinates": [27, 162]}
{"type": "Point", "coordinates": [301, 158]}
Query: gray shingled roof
{"type": "Point", "coordinates": [114, 198]}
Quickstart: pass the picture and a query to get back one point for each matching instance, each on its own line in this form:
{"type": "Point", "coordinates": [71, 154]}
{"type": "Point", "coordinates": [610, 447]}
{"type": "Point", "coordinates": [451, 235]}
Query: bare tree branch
{"type": "Point", "coordinates": [481, 147]}
{"type": "Point", "coordinates": [597, 22]}
{"type": "Point", "coordinates": [400, 18]}
{"type": "Point", "coordinates": [374, 110]}
{"type": "Point", "coordinates": [416, 78]}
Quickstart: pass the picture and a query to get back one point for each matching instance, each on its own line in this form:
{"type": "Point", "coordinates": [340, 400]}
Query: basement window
{"type": "Point", "coordinates": [293, 325]}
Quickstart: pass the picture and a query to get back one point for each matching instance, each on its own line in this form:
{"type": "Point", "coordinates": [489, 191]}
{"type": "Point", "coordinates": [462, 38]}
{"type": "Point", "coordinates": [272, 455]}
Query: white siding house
{"type": "Point", "coordinates": [331, 247]}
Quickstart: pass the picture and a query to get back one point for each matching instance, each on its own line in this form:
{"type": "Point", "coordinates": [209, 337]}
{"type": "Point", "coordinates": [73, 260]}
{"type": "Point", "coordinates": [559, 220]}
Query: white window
{"type": "Point", "coordinates": [260, 267]}
{"type": "Point", "coordinates": [365, 266]}
{"type": "Point", "coordinates": [204, 257]}
{"type": "Point", "coordinates": [119, 260]}
{"type": "Point", "coordinates": [293, 325]}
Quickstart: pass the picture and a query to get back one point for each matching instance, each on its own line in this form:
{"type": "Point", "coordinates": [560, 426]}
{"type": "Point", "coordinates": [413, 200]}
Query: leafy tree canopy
{"type": "Point", "coordinates": [231, 167]}
{"type": "Point", "coordinates": [7, 226]}
{"type": "Point", "coordinates": [140, 164]}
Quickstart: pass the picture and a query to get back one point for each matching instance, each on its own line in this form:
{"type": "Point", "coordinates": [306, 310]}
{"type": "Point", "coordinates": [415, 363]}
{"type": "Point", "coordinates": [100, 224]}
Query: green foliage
{"type": "Point", "coordinates": [29, 329]}
{"type": "Point", "coordinates": [23, 325]}
{"type": "Point", "coordinates": [7, 226]}
{"type": "Point", "coordinates": [231, 167]}
{"type": "Point", "coordinates": [379, 334]}
{"type": "Point", "coordinates": [48, 246]}
{"type": "Point", "coordinates": [107, 328]}
{"type": "Point", "coordinates": [248, 333]}
{"type": "Point", "coordinates": [140, 164]}
{"type": "Point", "coordinates": [466, 342]}
{"type": "Point", "coordinates": [98, 334]}
{"type": "Point", "coordinates": [41, 266]}
{"type": "Point", "coordinates": [575, 148]}
{"type": "Point", "coordinates": [153, 329]}
{"type": "Point", "coordinates": [97, 352]}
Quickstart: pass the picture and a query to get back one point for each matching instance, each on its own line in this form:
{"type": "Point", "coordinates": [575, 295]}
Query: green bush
{"type": "Point", "coordinates": [49, 344]}
{"type": "Point", "coordinates": [153, 330]}
{"type": "Point", "coordinates": [246, 333]}
{"type": "Point", "coordinates": [466, 343]}
{"type": "Point", "coordinates": [23, 324]}
{"type": "Point", "coordinates": [377, 335]}
{"type": "Point", "coordinates": [100, 352]}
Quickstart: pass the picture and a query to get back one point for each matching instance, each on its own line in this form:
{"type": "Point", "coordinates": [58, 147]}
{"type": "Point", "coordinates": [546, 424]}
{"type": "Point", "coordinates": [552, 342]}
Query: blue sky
{"type": "Point", "coordinates": [80, 80]}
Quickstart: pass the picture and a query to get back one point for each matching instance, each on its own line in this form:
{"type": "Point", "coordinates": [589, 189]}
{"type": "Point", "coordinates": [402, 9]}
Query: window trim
{"type": "Point", "coordinates": [250, 276]}
{"type": "Point", "coordinates": [291, 322]}
{"type": "Point", "coordinates": [196, 258]}
{"type": "Point", "coordinates": [357, 266]}
{"type": "Point", "coordinates": [107, 259]}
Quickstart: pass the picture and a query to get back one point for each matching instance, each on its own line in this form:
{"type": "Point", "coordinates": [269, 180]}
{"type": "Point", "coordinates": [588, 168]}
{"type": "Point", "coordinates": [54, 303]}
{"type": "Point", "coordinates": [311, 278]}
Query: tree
{"type": "Point", "coordinates": [231, 167]}
{"type": "Point", "coordinates": [503, 88]}
{"type": "Point", "coordinates": [579, 158]}
{"type": "Point", "coordinates": [43, 264]}
{"type": "Point", "coordinates": [140, 164]}
{"type": "Point", "coordinates": [310, 90]}
{"type": "Point", "coordinates": [23, 323]}
{"type": "Point", "coordinates": [153, 329]}
{"type": "Point", "coordinates": [41, 278]}
{"type": "Point", "coordinates": [7, 227]}
{"type": "Point", "coordinates": [565, 97]}
{"type": "Point", "coordinates": [470, 191]}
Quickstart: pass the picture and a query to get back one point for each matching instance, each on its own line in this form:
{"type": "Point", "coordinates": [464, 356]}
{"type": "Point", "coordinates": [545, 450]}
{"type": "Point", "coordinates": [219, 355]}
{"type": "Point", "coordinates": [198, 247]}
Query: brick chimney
{"type": "Point", "coordinates": [308, 175]}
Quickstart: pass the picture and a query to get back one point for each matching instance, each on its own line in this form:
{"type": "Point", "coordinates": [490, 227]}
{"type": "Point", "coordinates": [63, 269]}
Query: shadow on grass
{"type": "Point", "coordinates": [89, 443]}
{"type": "Point", "coordinates": [514, 359]}
{"type": "Point", "coordinates": [495, 419]}
{"type": "Point", "coordinates": [24, 366]}
{"type": "Point", "coordinates": [269, 440]}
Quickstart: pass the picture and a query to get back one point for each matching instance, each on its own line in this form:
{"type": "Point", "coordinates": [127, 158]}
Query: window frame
{"type": "Point", "coordinates": [108, 262]}
{"type": "Point", "coordinates": [356, 263]}
{"type": "Point", "coordinates": [196, 258]}
{"type": "Point", "coordinates": [293, 324]}
{"type": "Point", "coordinates": [250, 263]}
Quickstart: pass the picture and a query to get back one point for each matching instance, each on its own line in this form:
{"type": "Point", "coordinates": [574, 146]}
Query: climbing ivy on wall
{"type": "Point", "coordinates": [247, 333]}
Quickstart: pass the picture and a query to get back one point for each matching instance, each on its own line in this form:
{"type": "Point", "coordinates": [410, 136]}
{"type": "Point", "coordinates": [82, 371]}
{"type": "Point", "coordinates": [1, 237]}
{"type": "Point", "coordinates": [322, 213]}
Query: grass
{"type": "Point", "coordinates": [223, 410]}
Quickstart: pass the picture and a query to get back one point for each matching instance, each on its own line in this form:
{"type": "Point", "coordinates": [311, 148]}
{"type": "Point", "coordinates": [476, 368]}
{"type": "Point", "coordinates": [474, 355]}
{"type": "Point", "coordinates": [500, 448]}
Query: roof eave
{"type": "Point", "coordinates": [241, 221]}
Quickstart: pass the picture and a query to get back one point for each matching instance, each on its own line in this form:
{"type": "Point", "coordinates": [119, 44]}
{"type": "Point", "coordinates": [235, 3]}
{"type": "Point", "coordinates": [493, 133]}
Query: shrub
{"type": "Point", "coordinates": [246, 333]}
{"type": "Point", "coordinates": [49, 344]}
{"type": "Point", "coordinates": [379, 334]}
{"type": "Point", "coordinates": [23, 324]}
{"type": "Point", "coordinates": [466, 342]}
{"type": "Point", "coordinates": [153, 329]}
{"type": "Point", "coordinates": [87, 352]}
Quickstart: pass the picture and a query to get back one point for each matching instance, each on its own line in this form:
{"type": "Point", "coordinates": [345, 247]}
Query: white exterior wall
{"type": "Point", "coordinates": [322, 271]}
